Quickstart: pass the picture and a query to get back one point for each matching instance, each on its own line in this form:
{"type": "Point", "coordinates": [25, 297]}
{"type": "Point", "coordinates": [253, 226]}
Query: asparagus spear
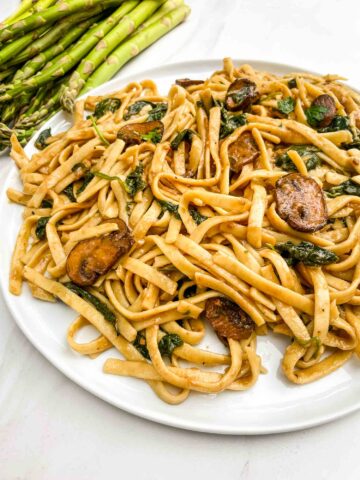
{"type": "Point", "coordinates": [37, 63]}
{"type": "Point", "coordinates": [135, 45]}
{"type": "Point", "coordinates": [23, 8]}
{"type": "Point", "coordinates": [12, 109]}
{"type": "Point", "coordinates": [95, 58]}
{"type": "Point", "coordinates": [36, 103]}
{"type": "Point", "coordinates": [70, 58]}
{"type": "Point", "coordinates": [60, 10]}
{"type": "Point", "coordinates": [51, 36]}
{"type": "Point", "coordinates": [49, 108]}
{"type": "Point", "coordinates": [10, 50]}
{"type": "Point", "coordinates": [4, 74]}
{"type": "Point", "coordinates": [165, 8]}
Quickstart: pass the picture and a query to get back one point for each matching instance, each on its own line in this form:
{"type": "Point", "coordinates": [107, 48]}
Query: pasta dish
{"type": "Point", "coordinates": [231, 204]}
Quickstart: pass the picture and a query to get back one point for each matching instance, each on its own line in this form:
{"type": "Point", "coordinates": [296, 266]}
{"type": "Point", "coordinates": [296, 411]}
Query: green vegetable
{"type": "Point", "coordinates": [157, 112]}
{"type": "Point", "coordinates": [136, 108]}
{"type": "Point", "coordinates": [306, 253]}
{"type": "Point", "coordinates": [134, 181]}
{"type": "Point", "coordinates": [353, 144]}
{"type": "Point", "coordinates": [107, 105]}
{"type": "Point", "coordinates": [69, 192]}
{"type": "Point", "coordinates": [98, 304]}
{"type": "Point", "coordinates": [284, 162]}
{"type": "Point", "coordinates": [34, 64]}
{"type": "Point", "coordinates": [239, 96]}
{"type": "Point", "coordinates": [50, 15]}
{"type": "Point", "coordinates": [153, 136]}
{"type": "Point", "coordinates": [86, 180]}
{"type": "Point", "coordinates": [183, 136]}
{"type": "Point", "coordinates": [40, 142]}
{"type": "Point", "coordinates": [40, 230]}
{"type": "Point", "coordinates": [98, 132]}
{"type": "Point", "coordinates": [125, 19]}
{"type": "Point", "coordinates": [140, 345]}
{"type": "Point", "coordinates": [170, 207]}
{"type": "Point", "coordinates": [196, 215]}
{"type": "Point", "coordinates": [104, 176]}
{"type": "Point", "coordinates": [47, 204]}
{"type": "Point", "coordinates": [315, 114]}
{"type": "Point", "coordinates": [65, 62]}
{"type": "Point", "coordinates": [286, 105]}
{"type": "Point", "coordinates": [346, 188]}
{"type": "Point", "coordinates": [339, 122]}
{"type": "Point", "coordinates": [168, 343]}
{"type": "Point", "coordinates": [134, 45]}
{"type": "Point", "coordinates": [229, 122]}
{"type": "Point", "coordinates": [190, 291]}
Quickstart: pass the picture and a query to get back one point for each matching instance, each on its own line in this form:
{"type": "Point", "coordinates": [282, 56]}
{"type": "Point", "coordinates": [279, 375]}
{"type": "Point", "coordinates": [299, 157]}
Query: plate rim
{"type": "Point", "coordinates": [75, 376]}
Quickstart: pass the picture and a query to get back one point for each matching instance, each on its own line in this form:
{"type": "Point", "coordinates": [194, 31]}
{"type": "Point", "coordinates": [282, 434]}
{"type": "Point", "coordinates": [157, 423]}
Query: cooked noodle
{"type": "Point", "coordinates": [202, 229]}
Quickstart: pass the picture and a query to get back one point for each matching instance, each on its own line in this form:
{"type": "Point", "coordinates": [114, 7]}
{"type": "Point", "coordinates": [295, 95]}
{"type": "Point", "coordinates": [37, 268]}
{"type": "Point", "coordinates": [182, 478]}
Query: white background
{"type": "Point", "coordinates": [50, 429]}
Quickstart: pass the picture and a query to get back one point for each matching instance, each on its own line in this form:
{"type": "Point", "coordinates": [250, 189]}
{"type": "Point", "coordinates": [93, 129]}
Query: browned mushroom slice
{"type": "Point", "coordinates": [301, 203]}
{"type": "Point", "coordinates": [328, 103]}
{"type": "Point", "coordinates": [241, 95]}
{"type": "Point", "coordinates": [244, 150]}
{"type": "Point", "coordinates": [227, 319]}
{"type": "Point", "coordinates": [96, 256]}
{"type": "Point", "coordinates": [187, 82]}
{"type": "Point", "coordinates": [135, 133]}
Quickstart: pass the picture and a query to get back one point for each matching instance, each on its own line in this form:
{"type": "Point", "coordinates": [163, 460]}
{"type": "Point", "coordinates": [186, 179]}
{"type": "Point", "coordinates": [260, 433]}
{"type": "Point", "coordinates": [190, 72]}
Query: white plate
{"type": "Point", "coordinates": [272, 405]}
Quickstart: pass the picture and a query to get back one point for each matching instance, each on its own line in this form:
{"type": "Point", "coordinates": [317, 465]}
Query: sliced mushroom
{"type": "Point", "coordinates": [96, 256]}
{"type": "Point", "coordinates": [241, 95]}
{"type": "Point", "coordinates": [187, 82]}
{"type": "Point", "coordinates": [301, 203]}
{"type": "Point", "coordinates": [134, 133]}
{"type": "Point", "coordinates": [327, 102]}
{"type": "Point", "coordinates": [227, 319]}
{"type": "Point", "coordinates": [244, 150]}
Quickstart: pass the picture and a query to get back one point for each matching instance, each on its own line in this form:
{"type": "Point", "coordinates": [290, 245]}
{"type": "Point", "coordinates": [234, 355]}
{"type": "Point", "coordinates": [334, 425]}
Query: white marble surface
{"type": "Point", "coordinates": [51, 429]}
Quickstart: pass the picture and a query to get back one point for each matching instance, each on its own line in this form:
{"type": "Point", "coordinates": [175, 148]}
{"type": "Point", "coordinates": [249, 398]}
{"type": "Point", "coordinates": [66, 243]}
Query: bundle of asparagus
{"type": "Point", "coordinates": [53, 50]}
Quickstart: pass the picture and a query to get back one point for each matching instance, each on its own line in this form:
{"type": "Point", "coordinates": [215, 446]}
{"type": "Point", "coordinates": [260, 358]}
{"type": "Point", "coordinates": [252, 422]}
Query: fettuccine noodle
{"type": "Point", "coordinates": [202, 228]}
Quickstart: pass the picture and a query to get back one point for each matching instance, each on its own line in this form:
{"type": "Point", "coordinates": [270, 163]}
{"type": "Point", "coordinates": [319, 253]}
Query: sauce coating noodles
{"type": "Point", "coordinates": [197, 195]}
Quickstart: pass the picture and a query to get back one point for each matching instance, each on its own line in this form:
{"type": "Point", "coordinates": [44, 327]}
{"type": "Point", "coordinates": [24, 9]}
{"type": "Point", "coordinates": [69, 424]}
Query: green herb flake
{"type": "Point", "coordinates": [239, 96]}
{"type": "Point", "coordinates": [140, 345]}
{"type": "Point", "coordinates": [47, 204]}
{"type": "Point", "coordinates": [346, 188]}
{"type": "Point", "coordinates": [339, 122]}
{"type": "Point", "coordinates": [306, 253]}
{"type": "Point", "coordinates": [170, 207]}
{"type": "Point", "coordinates": [95, 302]}
{"type": "Point", "coordinates": [86, 180]}
{"type": "Point", "coordinates": [286, 105]}
{"type": "Point", "coordinates": [315, 114]}
{"type": "Point", "coordinates": [106, 105]}
{"type": "Point", "coordinates": [41, 141]}
{"type": "Point", "coordinates": [69, 192]}
{"type": "Point", "coordinates": [284, 162]}
{"type": "Point", "coordinates": [229, 123]}
{"type": "Point", "coordinates": [153, 136]}
{"type": "Point", "coordinates": [350, 145]}
{"type": "Point", "coordinates": [168, 343]}
{"type": "Point", "coordinates": [136, 108]}
{"type": "Point", "coordinates": [40, 230]}
{"type": "Point", "coordinates": [183, 136]}
{"type": "Point", "coordinates": [98, 132]}
{"type": "Point", "coordinates": [196, 215]}
{"type": "Point", "coordinates": [135, 182]}
{"type": "Point", "coordinates": [158, 112]}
